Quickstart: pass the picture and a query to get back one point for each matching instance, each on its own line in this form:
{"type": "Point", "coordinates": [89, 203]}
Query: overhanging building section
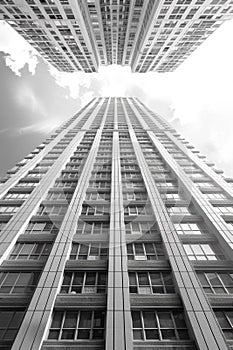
{"type": "Point", "coordinates": [116, 234]}
{"type": "Point", "coordinates": [145, 35]}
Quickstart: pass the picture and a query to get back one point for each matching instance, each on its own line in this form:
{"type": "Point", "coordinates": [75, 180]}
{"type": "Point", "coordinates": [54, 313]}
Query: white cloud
{"type": "Point", "coordinates": [198, 94]}
{"type": "Point", "coordinates": [18, 52]}
{"type": "Point", "coordinates": [43, 127]}
{"type": "Point", "coordinates": [73, 81]}
{"type": "Point", "coordinates": [26, 97]}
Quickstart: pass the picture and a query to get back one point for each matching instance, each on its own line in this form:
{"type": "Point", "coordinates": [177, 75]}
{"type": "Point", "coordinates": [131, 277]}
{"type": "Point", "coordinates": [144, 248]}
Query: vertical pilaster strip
{"type": "Point", "coordinates": [198, 311]}
{"type": "Point", "coordinates": [20, 219]}
{"type": "Point", "coordinates": [205, 168]}
{"type": "Point", "coordinates": [215, 221]}
{"type": "Point", "coordinates": [35, 322]}
{"type": "Point", "coordinates": [119, 327]}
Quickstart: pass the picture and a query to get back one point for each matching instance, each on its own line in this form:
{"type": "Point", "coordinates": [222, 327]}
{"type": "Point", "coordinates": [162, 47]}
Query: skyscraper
{"type": "Point", "coordinates": [116, 234]}
{"type": "Point", "coordinates": [145, 35]}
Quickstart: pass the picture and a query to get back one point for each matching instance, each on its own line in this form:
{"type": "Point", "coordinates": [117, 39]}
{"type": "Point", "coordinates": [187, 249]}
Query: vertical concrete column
{"type": "Point", "coordinates": [20, 219]}
{"type": "Point", "coordinates": [119, 327]}
{"type": "Point", "coordinates": [36, 320]}
{"type": "Point", "coordinates": [205, 168]}
{"type": "Point", "coordinates": [198, 312]}
{"type": "Point", "coordinates": [215, 221]}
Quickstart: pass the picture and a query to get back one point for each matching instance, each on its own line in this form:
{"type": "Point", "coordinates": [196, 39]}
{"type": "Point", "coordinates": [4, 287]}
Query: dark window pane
{"type": "Point", "coordinates": [53, 334]}
{"type": "Point", "coordinates": [213, 278]}
{"type": "Point", "coordinates": [83, 334]}
{"type": "Point", "coordinates": [99, 319]}
{"type": "Point", "coordinates": [70, 320]}
{"type": "Point", "coordinates": [5, 318]}
{"type": "Point", "coordinates": [152, 334]}
{"type": "Point", "coordinates": [168, 334]}
{"type": "Point", "coordinates": [179, 320]}
{"type": "Point", "coordinates": [149, 319]}
{"type": "Point", "coordinates": [155, 278]}
{"type": "Point", "coordinates": [143, 279]}
{"type": "Point", "coordinates": [85, 319]}
{"type": "Point", "coordinates": [165, 320]}
{"type": "Point", "coordinates": [183, 334]}
{"type": "Point", "coordinates": [98, 334]}
{"type": "Point", "coordinates": [67, 334]}
{"type": "Point", "coordinates": [222, 319]}
{"type": "Point", "coordinates": [10, 334]}
{"type": "Point", "coordinates": [56, 323]}
{"type": "Point", "coordinates": [137, 334]}
{"type": "Point", "coordinates": [136, 319]}
{"type": "Point", "coordinates": [228, 334]}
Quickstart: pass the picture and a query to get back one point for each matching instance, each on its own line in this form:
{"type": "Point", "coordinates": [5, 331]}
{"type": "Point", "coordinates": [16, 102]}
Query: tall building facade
{"type": "Point", "coordinates": [116, 234]}
{"type": "Point", "coordinates": [146, 35]}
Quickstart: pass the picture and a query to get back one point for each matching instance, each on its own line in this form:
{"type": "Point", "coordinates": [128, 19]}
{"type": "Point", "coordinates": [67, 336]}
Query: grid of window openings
{"type": "Point", "coordinates": [159, 324]}
{"type": "Point", "coordinates": [65, 236]}
{"type": "Point", "coordinates": [138, 33]}
{"type": "Point", "coordinates": [78, 325]}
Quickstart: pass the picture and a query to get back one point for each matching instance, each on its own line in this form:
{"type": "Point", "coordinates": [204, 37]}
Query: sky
{"type": "Point", "coordinates": [196, 99]}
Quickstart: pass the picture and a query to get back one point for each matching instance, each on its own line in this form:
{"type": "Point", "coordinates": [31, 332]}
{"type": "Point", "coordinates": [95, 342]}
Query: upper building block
{"type": "Point", "coordinates": [147, 35]}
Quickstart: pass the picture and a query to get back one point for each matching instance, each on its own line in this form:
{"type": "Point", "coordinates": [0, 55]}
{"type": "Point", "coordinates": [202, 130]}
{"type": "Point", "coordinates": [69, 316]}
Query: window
{"type": "Point", "coordinates": [95, 210]}
{"type": "Point", "coordinates": [204, 184]}
{"type": "Point", "coordinates": [201, 252]}
{"type": "Point", "coordinates": [102, 175]}
{"type": "Point", "coordinates": [77, 325]}
{"type": "Point", "coordinates": [67, 184]}
{"type": "Point", "coordinates": [10, 322]}
{"type": "Point", "coordinates": [166, 184]}
{"type": "Point", "coordinates": [42, 227]}
{"type": "Point", "coordinates": [8, 209]}
{"type": "Point", "coordinates": [26, 184]}
{"type": "Point", "coordinates": [89, 228]}
{"type": "Point", "coordinates": [214, 196]}
{"type": "Point", "coordinates": [37, 175]}
{"type": "Point", "coordinates": [130, 175]}
{"type": "Point", "coordinates": [100, 184]}
{"type": "Point", "coordinates": [52, 210]}
{"type": "Point", "coordinates": [152, 282]}
{"type": "Point", "coordinates": [225, 320]}
{"type": "Point", "coordinates": [30, 251]}
{"type": "Point", "coordinates": [197, 175]}
{"type": "Point", "coordinates": [94, 196]}
{"type": "Point", "coordinates": [16, 195]}
{"type": "Point", "coordinates": [69, 175]}
{"type": "Point", "coordinates": [94, 251]}
{"type": "Point", "coordinates": [160, 325]}
{"type": "Point", "coordinates": [84, 282]}
{"type": "Point", "coordinates": [145, 251]}
{"type": "Point", "coordinates": [133, 184]}
{"type": "Point", "coordinates": [59, 195]}
{"type": "Point", "coordinates": [178, 210]}
{"type": "Point", "coordinates": [168, 196]}
{"type": "Point", "coordinates": [226, 209]}
{"type": "Point", "coordinates": [216, 282]}
{"type": "Point", "coordinates": [187, 229]}
{"type": "Point", "coordinates": [138, 210]}
{"type": "Point", "coordinates": [17, 282]}
{"type": "Point", "coordinates": [135, 196]}
{"type": "Point", "coordinates": [141, 228]}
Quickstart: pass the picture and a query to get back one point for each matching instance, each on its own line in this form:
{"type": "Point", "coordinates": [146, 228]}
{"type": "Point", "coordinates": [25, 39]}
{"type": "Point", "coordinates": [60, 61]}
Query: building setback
{"type": "Point", "coordinates": [146, 35]}
{"type": "Point", "coordinates": [116, 234]}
